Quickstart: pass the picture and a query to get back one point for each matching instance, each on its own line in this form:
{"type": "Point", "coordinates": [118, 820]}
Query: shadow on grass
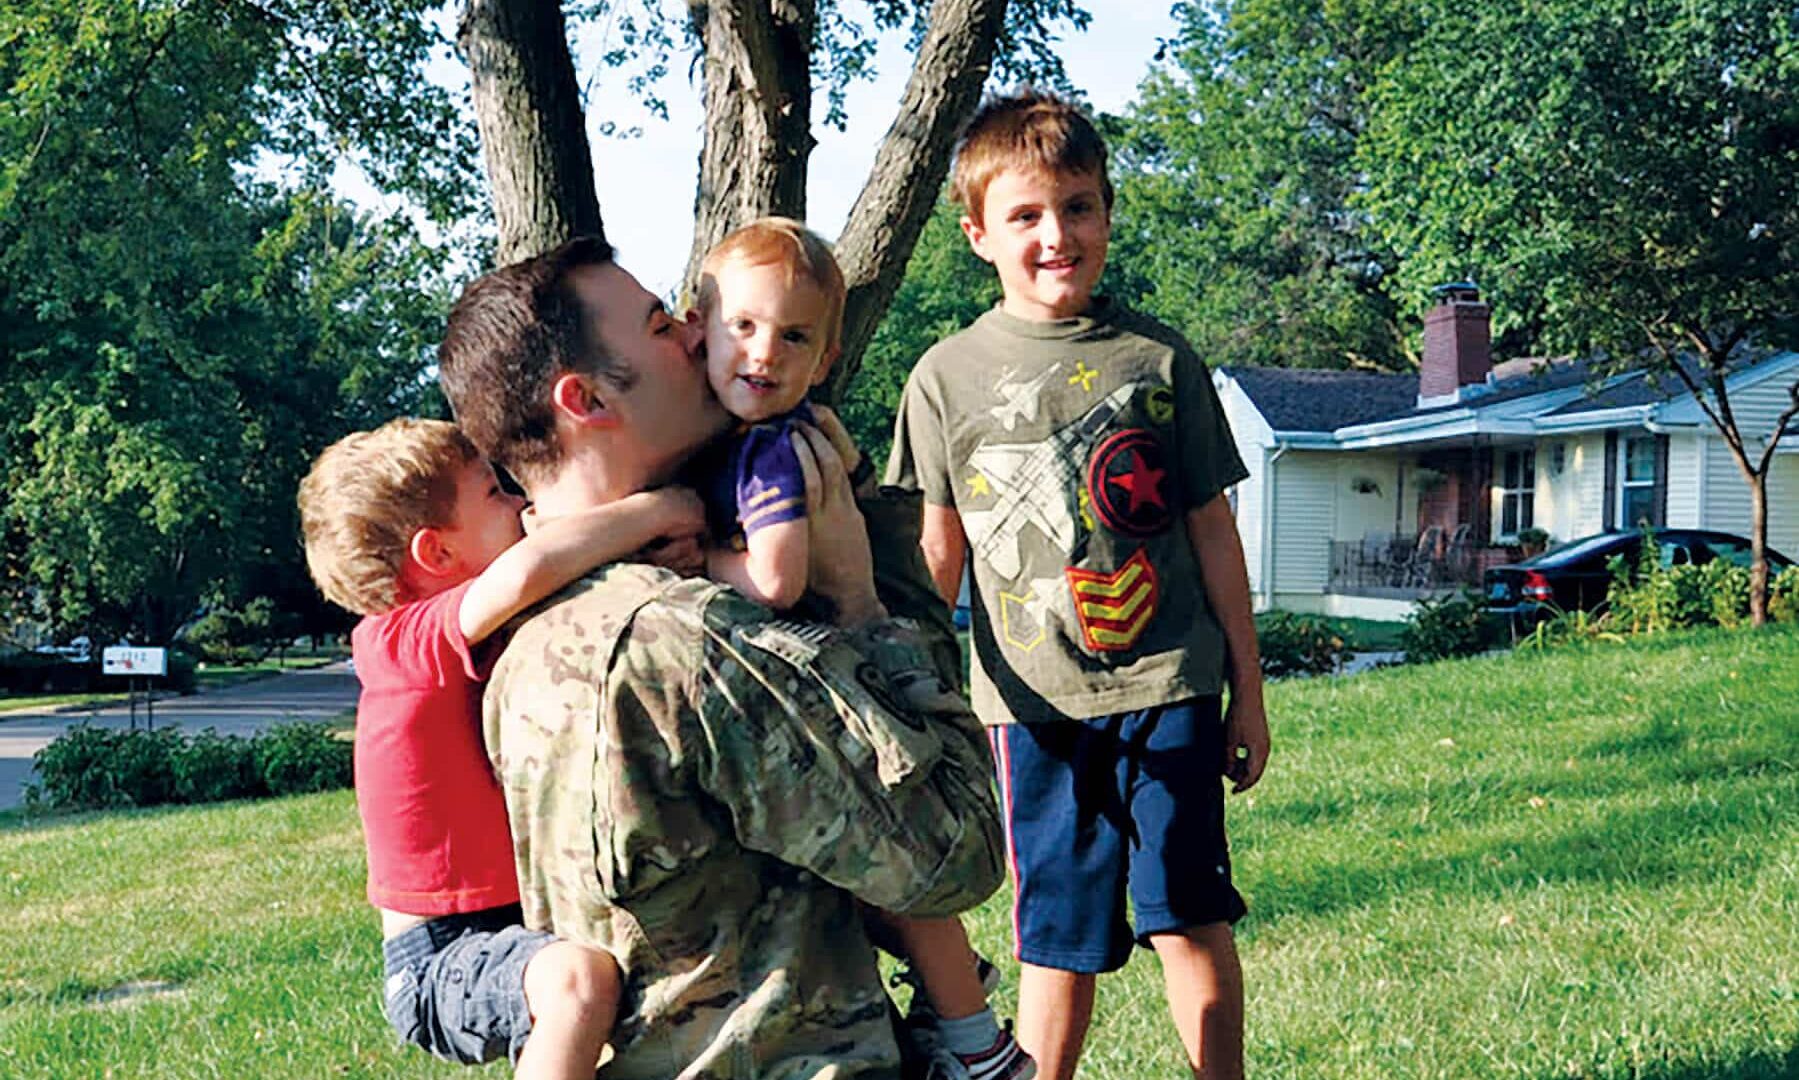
{"type": "Point", "coordinates": [1647, 845]}
{"type": "Point", "coordinates": [1769, 1066]}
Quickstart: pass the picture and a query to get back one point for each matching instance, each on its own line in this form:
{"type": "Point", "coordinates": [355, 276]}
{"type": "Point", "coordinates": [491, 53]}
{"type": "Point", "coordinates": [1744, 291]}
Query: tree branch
{"type": "Point", "coordinates": [909, 169]}
{"type": "Point", "coordinates": [1781, 423]}
{"type": "Point", "coordinates": [1672, 358]}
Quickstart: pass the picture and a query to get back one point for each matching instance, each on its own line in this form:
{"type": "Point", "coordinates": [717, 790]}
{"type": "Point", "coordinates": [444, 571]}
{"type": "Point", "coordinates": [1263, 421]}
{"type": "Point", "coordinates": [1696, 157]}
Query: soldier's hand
{"type": "Point", "coordinates": [841, 570]}
{"type": "Point", "coordinates": [832, 426]}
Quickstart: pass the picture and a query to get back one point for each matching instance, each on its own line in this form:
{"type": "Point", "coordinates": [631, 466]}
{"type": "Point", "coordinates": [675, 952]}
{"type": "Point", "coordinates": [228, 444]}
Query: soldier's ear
{"type": "Point", "coordinates": [576, 398]}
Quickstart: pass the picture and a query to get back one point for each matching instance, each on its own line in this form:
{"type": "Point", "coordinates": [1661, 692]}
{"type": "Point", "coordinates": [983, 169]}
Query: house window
{"type": "Point", "coordinates": [1517, 491]}
{"type": "Point", "coordinates": [1636, 482]}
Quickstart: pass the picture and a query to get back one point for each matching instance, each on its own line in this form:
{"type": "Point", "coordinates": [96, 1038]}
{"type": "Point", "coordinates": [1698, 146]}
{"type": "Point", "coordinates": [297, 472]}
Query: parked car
{"type": "Point", "coordinates": [1574, 576]}
{"type": "Point", "coordinates": [77, 651]}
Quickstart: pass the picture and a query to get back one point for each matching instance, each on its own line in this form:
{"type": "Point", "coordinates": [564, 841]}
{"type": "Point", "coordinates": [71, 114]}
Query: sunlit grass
{"type": "Point", "coordinates": [1577, 865]}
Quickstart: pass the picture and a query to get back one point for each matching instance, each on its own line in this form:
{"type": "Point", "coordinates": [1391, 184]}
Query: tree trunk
{"type": "Point", "coordinates": [533, 133]}
{"type": "Point", "coordinates": [909, 169]}
{"type": "Point", "coordinates": [758, 131]}
{"type": "Point", "coordinates": [1758, 546]}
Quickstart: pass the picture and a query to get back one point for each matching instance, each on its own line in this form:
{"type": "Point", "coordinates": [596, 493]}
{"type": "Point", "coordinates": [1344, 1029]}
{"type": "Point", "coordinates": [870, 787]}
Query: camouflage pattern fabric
{"type": "Point", "coordinates": [706, 791]}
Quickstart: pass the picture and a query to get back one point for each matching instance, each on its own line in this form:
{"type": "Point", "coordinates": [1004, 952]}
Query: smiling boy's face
{"type": "Point", "coordinates": [765, 338]}
{"type": "Point", "coordinates": [1046, 235]}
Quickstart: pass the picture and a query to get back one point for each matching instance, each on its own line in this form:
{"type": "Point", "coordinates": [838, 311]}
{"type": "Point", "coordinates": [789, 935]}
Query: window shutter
{"type": "Point", "coordinates": [1661, 481]}
{"type": "Point", "coordinates": [1609, 514]}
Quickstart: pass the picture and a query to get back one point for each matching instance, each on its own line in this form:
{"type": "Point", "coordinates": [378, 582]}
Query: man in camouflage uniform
{"type": "Point", "coordinates": [699, 788]}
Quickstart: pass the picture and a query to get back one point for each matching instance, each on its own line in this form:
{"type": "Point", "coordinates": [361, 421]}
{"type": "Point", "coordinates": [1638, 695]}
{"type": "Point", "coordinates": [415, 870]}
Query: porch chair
{"type": "Point", "coordinates": [1459, 556]}
{"type": "Point", "coordinates": [1421, 566]}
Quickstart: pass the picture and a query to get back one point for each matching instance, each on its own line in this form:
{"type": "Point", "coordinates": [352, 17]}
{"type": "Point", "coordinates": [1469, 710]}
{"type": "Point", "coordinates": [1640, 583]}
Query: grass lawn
{"type": "Point", "coordinates": [1577, 865]}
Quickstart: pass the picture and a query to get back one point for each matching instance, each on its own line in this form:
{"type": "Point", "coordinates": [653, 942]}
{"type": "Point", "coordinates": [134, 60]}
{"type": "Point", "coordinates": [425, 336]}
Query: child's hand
{"type": "Point", "coordinates": [1245, 740]}
{"type": "Point", "coordinates": [677, 509]}
{"type": "Point", "coordinates": [685, 555]}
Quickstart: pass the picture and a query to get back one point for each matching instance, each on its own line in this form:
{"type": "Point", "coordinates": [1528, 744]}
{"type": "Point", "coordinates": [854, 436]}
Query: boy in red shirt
{"type": "Point", "coordinates": [408, 526]}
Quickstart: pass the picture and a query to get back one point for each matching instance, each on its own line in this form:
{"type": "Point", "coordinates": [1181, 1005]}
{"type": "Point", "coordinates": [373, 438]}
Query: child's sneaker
{"type": "Point", "coordinates": [1004, 1060]}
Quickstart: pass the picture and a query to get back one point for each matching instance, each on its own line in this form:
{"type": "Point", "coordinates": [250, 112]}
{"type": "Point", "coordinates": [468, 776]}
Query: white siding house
{"type": "Point", "coordinates": [1364, 494]}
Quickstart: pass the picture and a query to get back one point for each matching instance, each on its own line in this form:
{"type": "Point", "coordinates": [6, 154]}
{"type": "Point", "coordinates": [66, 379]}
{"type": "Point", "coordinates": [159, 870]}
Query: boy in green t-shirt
{"type": "Point", "coordinates": [1075, 456]}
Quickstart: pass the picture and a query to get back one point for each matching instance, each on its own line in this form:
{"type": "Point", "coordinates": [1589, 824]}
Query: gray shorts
{"type": "Point", "coordinates": [456, 984]}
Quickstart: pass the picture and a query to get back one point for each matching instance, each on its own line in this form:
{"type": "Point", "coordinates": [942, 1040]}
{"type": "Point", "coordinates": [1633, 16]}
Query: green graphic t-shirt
{"type": "Point", "coordinates": [1072, 451]}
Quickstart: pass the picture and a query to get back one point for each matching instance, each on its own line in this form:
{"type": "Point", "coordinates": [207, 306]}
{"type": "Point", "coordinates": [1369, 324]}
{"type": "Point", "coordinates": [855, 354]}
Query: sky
{"type": "Point", "coordinates": [646, 183]}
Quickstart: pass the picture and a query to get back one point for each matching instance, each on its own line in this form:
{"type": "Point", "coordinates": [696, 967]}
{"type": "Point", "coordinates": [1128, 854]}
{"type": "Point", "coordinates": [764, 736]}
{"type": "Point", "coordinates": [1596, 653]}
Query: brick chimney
{"type": "Point", "coordinates": [1458, 341]}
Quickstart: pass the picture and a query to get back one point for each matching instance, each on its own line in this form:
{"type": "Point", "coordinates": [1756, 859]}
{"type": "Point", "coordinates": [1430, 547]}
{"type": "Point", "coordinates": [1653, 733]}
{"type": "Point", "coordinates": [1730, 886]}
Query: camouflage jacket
{"type": "Point", "coordinates": [706, 791]}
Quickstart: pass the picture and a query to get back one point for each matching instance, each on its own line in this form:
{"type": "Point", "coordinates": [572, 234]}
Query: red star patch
{"type": "Point", "coordinates": [1125, 480]}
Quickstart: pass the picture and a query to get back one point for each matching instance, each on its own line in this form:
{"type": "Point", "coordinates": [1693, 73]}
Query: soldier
{"type": "Point", "coordinates": [696, 787]}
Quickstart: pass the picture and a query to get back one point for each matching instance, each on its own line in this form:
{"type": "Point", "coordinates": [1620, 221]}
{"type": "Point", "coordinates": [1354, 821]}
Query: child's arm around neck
{"type": "Point", "coordinates": [561, 549]}
{"type": "Point", "coordinates": [773, 569]}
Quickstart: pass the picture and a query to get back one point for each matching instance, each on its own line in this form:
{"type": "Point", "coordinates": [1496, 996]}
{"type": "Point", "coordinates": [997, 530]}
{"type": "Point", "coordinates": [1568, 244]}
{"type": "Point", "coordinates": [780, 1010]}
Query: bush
{"type": "Point", "coordinates": [1450, 626]}
{"type": "Point", "coordinates": [1648, 598]}
{"type": "Point", "coordinates": [38, 673]}
{"type": "Point", "coordinates": [214, 768]}
{"type": "Point", "coordinates": [103, 768]}
{"type": "Point", "coordinates": [295, 759]}
{"type": "Point", "coordinates": [1783, 596]}
{"type": "Point", "coordinates": [93, 768]}
{"type": "Point", "coordinates": [1294, 644]}
{"type": "Point", "coordinates": [241, 635]}
{"type": "Point", "coordinates": [1569, 628]}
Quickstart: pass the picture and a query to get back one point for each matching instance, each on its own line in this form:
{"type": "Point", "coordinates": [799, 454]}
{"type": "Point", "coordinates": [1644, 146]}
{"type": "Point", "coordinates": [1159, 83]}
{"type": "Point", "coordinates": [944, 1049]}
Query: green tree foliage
{"type": "Point", "coordinates": [1235, 220]}
{"type": "Point", "coordinates": [1621, 175]}
{"type": "Point", "coordinates": [946, 287]}
{"type": "Point", "coordinates": [180, 333]}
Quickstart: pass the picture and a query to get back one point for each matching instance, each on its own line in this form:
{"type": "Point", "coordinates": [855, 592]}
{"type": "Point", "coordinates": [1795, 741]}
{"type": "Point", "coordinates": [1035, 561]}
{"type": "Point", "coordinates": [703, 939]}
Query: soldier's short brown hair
{"type": "Point", "coordinates": [510, 335]}
{"type": "Point", "coordinates": [786, 243]}
{"type": "Point", "coordinates": [1031, 131]}
{"type": "Point", "coordinates": [366, 496]}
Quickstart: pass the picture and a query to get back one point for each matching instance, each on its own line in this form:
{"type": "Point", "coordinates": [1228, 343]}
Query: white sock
{"type": "Point", "coordinates": [971, 1034]}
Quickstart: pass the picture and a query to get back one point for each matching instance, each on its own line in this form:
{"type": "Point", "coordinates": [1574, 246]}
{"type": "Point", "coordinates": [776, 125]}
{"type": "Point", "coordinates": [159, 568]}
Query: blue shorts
{"type": "Point", "coordinates": [1092, 806]}
{"type": "Point", "coordinates": [456, 984]}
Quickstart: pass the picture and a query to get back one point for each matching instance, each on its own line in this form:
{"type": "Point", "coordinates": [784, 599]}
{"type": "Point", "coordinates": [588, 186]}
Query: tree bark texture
{"type": "Point", "coordinates": [1758, 545]}
{"type": "Point", "coordinates": [758, 128]}
{"type": "Point", "coordinates": [533, 132]}
{"type": "Point", "coordinates": [914, 158]}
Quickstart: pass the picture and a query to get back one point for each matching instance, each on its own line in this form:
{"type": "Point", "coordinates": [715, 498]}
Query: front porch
{"type": "Point", "coordinates": [1398, 566]}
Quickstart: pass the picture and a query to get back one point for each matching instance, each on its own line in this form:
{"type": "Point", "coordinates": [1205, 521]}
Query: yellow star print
{"type": "Point", "coordinates": [977, 485]}
{"type": "Point", "coordinates": [1083, 375]}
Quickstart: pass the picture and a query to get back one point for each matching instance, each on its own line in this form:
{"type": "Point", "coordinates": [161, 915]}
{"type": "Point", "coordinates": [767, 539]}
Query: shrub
{"type": "Point", "coordinates": [228, 635]}
{"type": "Point", "coordinates": [1570, 628]}
{"type": "Point", "coordinates": [37, 673]}
{"type": "Point", "coordinates": [1648, 598]}
{"type": "Point", "coordinates": [295, 759]}
{"type": "Point", "coordinates": [1454, 625]}
{"type": "Point", "coordinates": [1294, 644]}
{"type": "Point", "coordinates": [102, 768]}
{"type": "Point", "coordinates": [213, 767]}
{"type": "Point", "coordinates": [1783, 596]}
{"type": "Point", "coordinates": [93, 768]}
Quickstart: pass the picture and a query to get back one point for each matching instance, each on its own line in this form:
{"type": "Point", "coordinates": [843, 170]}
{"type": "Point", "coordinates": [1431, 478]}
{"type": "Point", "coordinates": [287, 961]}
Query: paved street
{"type": "Point", "coordinates": [315, 694]}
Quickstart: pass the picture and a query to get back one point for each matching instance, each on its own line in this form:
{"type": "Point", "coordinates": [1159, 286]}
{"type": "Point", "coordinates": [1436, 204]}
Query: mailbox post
{"type": "Point", "coordinates": [136, 663]}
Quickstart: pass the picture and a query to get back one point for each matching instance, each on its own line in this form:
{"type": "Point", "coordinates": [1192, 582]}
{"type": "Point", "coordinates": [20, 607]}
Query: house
{"type": "Point", "coordinates": [1367, 491]}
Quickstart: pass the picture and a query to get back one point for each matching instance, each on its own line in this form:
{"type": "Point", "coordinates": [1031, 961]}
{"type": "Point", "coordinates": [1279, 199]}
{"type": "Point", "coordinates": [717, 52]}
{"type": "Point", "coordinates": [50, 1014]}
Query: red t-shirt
{"type": "Point", "coordinates": [432, 811]}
